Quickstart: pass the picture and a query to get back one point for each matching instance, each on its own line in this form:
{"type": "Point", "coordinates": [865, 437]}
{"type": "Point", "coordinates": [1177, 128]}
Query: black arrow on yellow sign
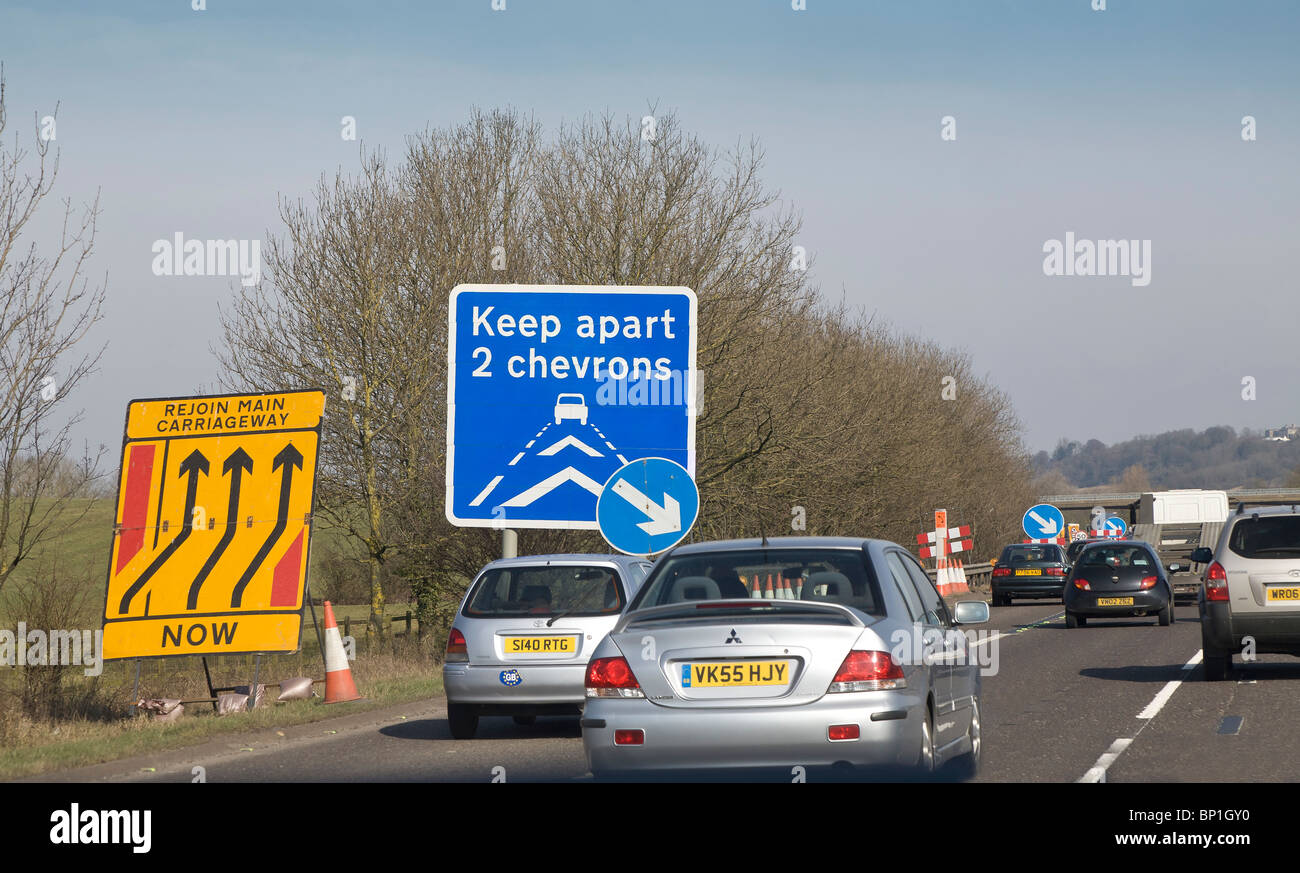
{"type": "Point", "coordinates": [288, 458]}
{"type": "Point", "coordinates": [193, 465]}
{"type": "Point", "coordinates": [236, 465]}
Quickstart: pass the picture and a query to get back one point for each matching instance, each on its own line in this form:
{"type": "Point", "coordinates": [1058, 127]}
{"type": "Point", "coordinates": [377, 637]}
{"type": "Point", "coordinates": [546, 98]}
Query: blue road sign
{"type": "Point", "coordinates": [1116, 523]}
{"type": "Point", "coordinates": [1043, 521]}
{"type": "Point", "coordinates": [551, 389]}
{"type": "Point", "coordinates": [648, 506]}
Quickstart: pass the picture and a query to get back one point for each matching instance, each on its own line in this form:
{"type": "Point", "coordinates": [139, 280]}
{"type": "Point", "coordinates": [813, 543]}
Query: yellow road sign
{"type": "Point", "coordinates": [213, 525]}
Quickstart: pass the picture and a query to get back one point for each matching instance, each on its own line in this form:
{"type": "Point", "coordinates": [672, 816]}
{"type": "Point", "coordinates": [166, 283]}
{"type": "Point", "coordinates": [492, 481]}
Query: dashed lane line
{"type": "Point", "coordinates": [1097, 772]}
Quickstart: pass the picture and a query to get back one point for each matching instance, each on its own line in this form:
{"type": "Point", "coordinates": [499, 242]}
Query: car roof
{"type": "Point", "coordinates": [1116, 541]}
{"type": "Point", "coordinates": [622, 561]}
{"type": "Point", "coordinates": [1287, 509]}
{"type": "Point", "coordinates": [777, 543]}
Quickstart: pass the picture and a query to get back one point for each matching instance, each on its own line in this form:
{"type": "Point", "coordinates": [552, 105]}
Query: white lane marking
{"type": "Point", "coordinates": [1097, 772]}
{"type": "Point", "coordinates": [610, 445]}
{"type": "Point", "coordinates": [516, 460]}
{"type": "Point", "coordinates": [621, 459]}
{"type": "Point", "coordinates": [1167, 692]}
{"type": "Point", "coordinates": [486, 491]}
{"type": "Point", "coordinates": [530, 443]}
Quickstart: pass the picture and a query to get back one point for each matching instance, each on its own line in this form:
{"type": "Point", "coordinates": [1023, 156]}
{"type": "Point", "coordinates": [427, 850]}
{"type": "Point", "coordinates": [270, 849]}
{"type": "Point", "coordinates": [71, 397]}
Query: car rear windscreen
{"type": "Point", "coordinates": [1117, 556]}
{"type": "Point", "coordinates": [1030, 554]}
{"type": "Point", "coordinates": [1276, 537]}
{"type": "Point", "coordinates": [809, 575]}
{"type": "Point", "coordinates": [572, 590]}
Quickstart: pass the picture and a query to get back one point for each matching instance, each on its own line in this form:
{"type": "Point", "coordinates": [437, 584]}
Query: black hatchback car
{"type": "Point", "coordinates": [1117, 579]}
{"type": "Point", "coordinates": [1029, 570]}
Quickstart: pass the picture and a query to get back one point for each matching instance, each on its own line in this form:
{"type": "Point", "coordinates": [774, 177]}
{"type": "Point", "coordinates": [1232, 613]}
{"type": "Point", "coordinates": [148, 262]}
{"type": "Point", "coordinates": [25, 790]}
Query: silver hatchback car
{"type": "Point", "coordinates": [858, 663]}
{"type": "Point", "coordinates": [525, 630]}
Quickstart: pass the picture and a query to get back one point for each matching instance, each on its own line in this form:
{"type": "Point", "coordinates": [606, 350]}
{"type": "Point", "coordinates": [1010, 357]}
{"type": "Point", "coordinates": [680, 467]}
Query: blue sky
{"type": "Point", "coordinates": [1116, 124]}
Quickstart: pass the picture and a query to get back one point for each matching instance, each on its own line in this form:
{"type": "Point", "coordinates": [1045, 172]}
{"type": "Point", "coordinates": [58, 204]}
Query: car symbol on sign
{"type": "Point", "coordinates": [571, 406]}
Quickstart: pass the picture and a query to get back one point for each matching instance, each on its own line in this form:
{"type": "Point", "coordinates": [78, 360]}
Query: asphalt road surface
{"type": "Point", "coordinates": [1119, 701]}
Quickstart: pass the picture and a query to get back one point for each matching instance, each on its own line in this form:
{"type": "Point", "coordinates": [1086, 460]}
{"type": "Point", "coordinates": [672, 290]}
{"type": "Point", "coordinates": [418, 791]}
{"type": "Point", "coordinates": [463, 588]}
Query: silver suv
{"type": "Point", "coordinates": [1251, 596]}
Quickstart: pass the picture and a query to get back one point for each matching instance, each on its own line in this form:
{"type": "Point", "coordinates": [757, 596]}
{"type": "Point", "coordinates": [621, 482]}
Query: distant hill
{"type": "Point", "coordinates": [1218, 457]}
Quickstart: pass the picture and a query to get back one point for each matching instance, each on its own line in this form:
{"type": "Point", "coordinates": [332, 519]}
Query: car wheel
{"type": "Point", "coordinates": [1071, 620]}
{"type": "Point", "coordinates": [463, 721]}
{"type": "Point", "coordinates": [968, 765]}
{"type": "Point", "coordinates": [1216, 666]}
{"type": "Point", "coordinates": [525, 719]}
{"type": "Point", "coordinates": [1167, 615]}
{"type": "Point", "coordinates": [925, 760]}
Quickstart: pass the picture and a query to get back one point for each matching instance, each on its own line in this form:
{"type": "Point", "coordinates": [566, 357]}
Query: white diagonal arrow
{"type": "Point", "coordinates": [1048, 526]}
{"type": "Point", "coordinates": [663, 519]}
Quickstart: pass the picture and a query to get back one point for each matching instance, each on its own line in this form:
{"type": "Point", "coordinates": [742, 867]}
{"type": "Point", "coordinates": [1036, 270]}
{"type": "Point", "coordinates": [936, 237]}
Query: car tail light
{"type": "Point", "coordinates": [1082, 584]}
{"type": "Point", "coordinates": [612, 677]}
{"type": "Point", "coordinates": [456, 649]}
{"type": "Point", "coordinates": [1216, 582]}
{"type": "Point", "coordinates": [1148, 582]}
{"type": "Point", "coordinates": [1055, 571]}
{"type": "Point", "coordinates": [629, 737]}
{"type": "Point", "coordinates": [867, 671]}
{"type": "Point", "coordinates": [843, 732]}
{"type": "Point", "coordinates": [1001, 571]}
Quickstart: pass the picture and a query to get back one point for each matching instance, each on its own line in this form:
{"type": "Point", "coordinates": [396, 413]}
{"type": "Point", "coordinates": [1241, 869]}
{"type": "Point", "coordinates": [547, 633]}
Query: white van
{"type": "Point", "coordinates": [1184, 506]}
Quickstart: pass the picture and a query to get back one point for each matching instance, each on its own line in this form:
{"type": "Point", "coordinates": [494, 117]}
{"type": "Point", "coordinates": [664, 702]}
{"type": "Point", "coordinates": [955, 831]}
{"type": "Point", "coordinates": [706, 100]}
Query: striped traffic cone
{"type": "Point", "coordinates": [798, 589]}
{"type": "Point", "coordinates": [339, 687]}
{"type": "Point", "coordinates": [767, 592]}
{"type": "Point", "coordinates": [756, 592]}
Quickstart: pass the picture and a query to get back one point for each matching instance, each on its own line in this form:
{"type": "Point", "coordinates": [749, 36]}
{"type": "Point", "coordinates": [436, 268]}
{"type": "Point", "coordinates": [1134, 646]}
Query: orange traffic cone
{"type": "Point", "coordinates": [339, 687]}
{"type": "Point", "coordinates": [767, 592]}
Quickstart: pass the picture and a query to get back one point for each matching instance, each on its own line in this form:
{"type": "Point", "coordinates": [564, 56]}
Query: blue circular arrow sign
{"type": "Point", "coordinates": [1043, 521]}
{"type": "Point", "coordinates": [647, 506]}
{"type": "Point", "coordinates": [1117, 523]}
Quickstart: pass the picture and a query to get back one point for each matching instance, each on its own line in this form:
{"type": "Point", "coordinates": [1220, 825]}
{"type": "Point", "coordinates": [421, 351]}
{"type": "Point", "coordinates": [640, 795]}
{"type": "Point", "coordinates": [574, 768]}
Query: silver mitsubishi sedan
{"type": "Point", "coordinates": [858, 663]}
{"type": "Point", "coordinates": [521, 640]}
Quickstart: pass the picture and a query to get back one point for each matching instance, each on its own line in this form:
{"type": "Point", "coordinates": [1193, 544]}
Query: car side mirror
{"type": "Point", "coordinates": [1202, 555]}
{"type": "Point", "coordinates": [971, 612]}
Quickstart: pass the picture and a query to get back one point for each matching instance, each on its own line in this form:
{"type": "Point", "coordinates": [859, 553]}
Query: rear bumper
{"type": "Point", "coordinates": [539, 684]}
{"type": "Point", "coordinates": [1085, 602]}
{"type": "Point", "coordinates": [1035, 588]}
{"type": "Point", "coordinates": [1272, 632]}
{"type": "Point", "coordinates": [699, 739]}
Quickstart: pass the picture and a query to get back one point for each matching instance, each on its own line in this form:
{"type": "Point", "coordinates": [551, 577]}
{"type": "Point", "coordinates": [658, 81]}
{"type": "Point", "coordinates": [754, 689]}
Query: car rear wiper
{"type": "Point", "coordinates": [558, 616]}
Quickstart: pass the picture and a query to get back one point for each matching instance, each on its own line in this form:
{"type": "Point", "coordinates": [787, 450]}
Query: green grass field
{"type": "Point", "coordinates": [90, 718]}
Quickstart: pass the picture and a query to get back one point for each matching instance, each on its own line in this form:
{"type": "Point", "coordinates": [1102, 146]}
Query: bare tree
{"type": "Point", "coordinates": [47, 307]}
